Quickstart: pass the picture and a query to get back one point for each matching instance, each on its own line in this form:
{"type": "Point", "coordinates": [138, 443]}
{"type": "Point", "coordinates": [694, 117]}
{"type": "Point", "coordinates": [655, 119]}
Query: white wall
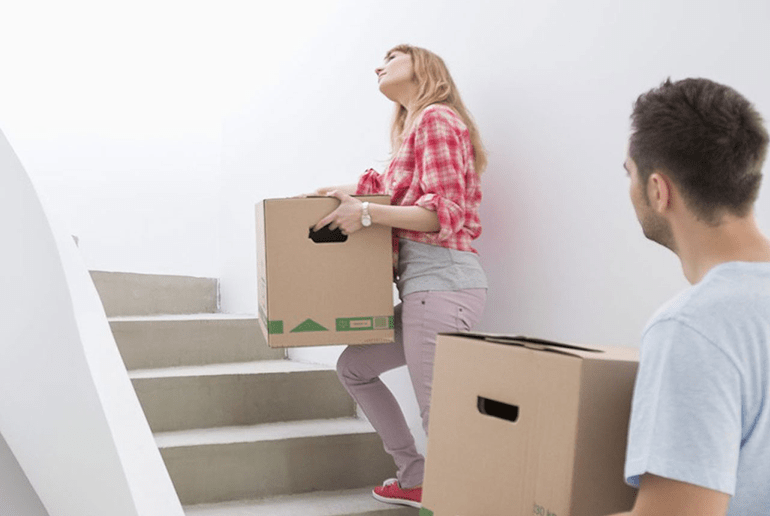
{"type": "Point", "coordinates": [115, 109]}
{"type": "Point", "coordinates": [117, 113]}
{"type": "Point", "coordinates": [551, 85]}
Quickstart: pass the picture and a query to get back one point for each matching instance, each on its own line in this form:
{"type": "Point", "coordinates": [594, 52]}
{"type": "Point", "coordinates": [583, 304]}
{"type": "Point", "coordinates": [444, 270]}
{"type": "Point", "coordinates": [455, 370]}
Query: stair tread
{"type": "Point", "coordinates": [234, 368]}
{"type": "Point", "coordinates": [183, 317]}
{"type": "Point", "coordinates": [262, 432]}
{"type": "Point", "coordinates": [356, 501]}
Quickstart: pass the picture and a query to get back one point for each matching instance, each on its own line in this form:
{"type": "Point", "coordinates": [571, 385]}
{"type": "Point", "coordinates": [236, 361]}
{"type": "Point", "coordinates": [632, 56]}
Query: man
{"type": "Point", "coordinates": [699, 436]}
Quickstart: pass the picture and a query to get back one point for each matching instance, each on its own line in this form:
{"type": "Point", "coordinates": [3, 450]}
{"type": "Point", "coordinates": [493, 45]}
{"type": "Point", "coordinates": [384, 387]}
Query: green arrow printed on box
{"type": "Point", "coordinates": [274, 327]}
{"type": "Point", "coordinates": [308, 325]}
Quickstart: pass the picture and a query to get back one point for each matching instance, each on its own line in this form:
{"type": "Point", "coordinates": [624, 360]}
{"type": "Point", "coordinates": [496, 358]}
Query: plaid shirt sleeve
{"type": "Point", "coordinates": [439, 161]}
{"type": "Point", "coordinates": [370, 183]}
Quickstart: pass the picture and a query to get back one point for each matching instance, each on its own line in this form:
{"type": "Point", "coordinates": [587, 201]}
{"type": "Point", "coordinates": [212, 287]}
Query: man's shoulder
{"type": "Point", "coordinates": [724, 285]}
{"type": "Point", "coordinates": [728, 295]}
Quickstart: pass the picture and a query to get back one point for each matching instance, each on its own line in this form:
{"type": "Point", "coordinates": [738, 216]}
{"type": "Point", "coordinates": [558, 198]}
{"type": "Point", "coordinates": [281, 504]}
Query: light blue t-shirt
{"type": "Point", "coordinates": [701, 407]}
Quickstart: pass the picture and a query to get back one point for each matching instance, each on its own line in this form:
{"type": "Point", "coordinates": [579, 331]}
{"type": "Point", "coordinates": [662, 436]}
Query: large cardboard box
{"type": "Point", "coordinates": [314, 289]}
{"type": "Point", "coordinates": [528, 427]}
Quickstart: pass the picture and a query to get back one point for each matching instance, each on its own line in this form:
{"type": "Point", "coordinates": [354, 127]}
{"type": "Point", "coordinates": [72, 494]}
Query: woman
{"type": "Point", "coordinates": [433, 181]}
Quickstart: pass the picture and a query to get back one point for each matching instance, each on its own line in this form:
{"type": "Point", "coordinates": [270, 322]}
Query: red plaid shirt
{"type": "Point", "coordinates": [434, 169]}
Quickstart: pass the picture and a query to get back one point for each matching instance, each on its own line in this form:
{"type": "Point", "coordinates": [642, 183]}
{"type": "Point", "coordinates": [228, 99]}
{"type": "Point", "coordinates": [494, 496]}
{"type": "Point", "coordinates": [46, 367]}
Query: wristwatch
{"type": "Point", "coordinates": [366, 219]}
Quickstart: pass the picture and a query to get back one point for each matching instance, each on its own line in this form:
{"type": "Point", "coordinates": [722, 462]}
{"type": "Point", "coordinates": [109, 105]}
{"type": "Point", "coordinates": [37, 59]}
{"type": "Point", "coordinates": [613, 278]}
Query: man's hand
{"type": "Point", "coordinates": [659, 496]}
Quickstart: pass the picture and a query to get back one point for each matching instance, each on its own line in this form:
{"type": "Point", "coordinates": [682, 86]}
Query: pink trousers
{"type": "Point", "coordinates": [418, 319]}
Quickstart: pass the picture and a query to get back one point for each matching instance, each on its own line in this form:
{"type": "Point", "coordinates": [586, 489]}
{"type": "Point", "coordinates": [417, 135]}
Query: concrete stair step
{"type": "Point", "coordinates": [355, 502]}
{"type": "Point", "coordinates": [244, 393]}
{"type": "Point", "coordinates": [196, 339]}
{"type": "Point", "coordinates": [125, 293]}
{"type": "Point", "coordinates": [240, 463]}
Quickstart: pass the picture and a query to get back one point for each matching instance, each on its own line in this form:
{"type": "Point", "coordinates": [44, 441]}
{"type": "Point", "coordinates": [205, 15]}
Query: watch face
{"type": "Point", "coordinates": [366, 219]}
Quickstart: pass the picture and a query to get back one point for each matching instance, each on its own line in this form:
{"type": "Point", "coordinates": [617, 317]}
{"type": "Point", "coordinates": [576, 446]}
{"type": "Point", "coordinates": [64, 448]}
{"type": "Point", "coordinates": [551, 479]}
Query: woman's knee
{"type": "Point", "coordinates": [360, 364]}
{"type": "Point", "coordinates": [349, 369]}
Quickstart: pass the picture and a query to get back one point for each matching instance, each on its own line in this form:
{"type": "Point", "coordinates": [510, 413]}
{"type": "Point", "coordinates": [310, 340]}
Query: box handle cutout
{"type": "Point", "coordinates": [327, 236]}
{"type": "Point", "coordinates": [498, 409]}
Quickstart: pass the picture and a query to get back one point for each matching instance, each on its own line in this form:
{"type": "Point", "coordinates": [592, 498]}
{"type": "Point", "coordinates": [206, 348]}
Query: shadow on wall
{"type": "Point", "coordinates": [70, 421]}
{"type": "Point", "coordinates": [17, 498]}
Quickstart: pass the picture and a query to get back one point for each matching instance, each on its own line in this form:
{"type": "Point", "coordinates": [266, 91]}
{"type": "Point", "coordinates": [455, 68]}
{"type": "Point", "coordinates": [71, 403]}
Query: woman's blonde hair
{"type": "Point", "coordinates": [434, 86]}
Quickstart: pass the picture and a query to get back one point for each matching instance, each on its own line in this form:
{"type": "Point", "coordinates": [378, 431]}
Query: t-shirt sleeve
{"type": "Point", "coordinates": [686, 412]}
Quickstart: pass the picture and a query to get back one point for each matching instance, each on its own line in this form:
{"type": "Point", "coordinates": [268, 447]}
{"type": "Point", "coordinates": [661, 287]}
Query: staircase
{"type": "Point", "coordinates": [243, 431]}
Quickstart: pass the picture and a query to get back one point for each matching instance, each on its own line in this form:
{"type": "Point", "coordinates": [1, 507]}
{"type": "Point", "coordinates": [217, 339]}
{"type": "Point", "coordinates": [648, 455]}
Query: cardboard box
{"type": "Point", "coordinates": [528, 427]}
{"type": "Point", "coordinates": [314, 292]}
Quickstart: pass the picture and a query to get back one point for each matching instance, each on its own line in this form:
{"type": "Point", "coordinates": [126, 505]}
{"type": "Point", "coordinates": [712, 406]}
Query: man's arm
{"type": "Point", "coordinates": [659, 496]}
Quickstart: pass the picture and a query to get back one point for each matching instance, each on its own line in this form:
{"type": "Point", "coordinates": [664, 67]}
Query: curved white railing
{"type": "Point", "coordinates": [68, 412]}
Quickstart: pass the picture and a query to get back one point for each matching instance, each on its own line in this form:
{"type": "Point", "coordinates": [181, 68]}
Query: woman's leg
{"type": "Point", "coordinates": [359, 369]}
{"type": "Point", "coordinates": [426, 314]}
{"type": "Point", "coordinates": [419, 318]}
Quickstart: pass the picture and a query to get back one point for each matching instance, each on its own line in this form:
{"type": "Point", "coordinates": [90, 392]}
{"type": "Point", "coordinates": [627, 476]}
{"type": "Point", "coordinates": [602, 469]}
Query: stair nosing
{"type": "Point", "coordinates": [278, 366]}
{"type": "Point", "coordinates": [264, 432]}
{"type": "Point", "coordinates": [197, 316]}
{"type": "Point", "coordinates": [357, 500]}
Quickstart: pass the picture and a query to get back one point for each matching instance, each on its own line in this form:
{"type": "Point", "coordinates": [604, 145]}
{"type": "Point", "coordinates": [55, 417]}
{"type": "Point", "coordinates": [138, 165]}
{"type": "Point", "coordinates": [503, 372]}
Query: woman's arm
{"type": "Point", "coordinates": [347, 216]}
{"type": "Point", "coordinates": [413, 218]}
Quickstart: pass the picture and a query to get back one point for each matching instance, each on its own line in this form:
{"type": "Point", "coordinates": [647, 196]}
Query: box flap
{"type": "Point", "coordinates": [531, 343]}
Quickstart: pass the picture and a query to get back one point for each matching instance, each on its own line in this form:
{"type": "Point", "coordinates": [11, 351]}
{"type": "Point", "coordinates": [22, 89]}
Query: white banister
{"type": "Point", "coordinates": [68, 412]}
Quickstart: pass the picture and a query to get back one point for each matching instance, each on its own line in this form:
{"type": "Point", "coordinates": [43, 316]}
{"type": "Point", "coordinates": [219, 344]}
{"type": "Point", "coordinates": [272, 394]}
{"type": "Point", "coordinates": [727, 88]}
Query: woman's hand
{"type": "Point", "coordinates": [347, 216]}
{"type": "Point", "coordinates": [326, 190]}
{"type": "Point", "coordinates": [318, 193]}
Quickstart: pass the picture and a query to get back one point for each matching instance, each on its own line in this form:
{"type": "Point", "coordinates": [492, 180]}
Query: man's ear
{"type": "Point", "coordinates": [659, 191]}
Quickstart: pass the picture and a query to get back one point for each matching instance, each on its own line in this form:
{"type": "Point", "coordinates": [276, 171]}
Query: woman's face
{"type": "Point", "coordinates": [395, 72]}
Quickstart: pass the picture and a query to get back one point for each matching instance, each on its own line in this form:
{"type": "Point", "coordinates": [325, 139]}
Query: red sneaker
{"type": "Point", "coordinates": [391, 492]}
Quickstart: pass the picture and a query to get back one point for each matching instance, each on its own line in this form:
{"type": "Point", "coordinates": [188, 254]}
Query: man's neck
{"type": "Point", "coordinates": [701, 247]}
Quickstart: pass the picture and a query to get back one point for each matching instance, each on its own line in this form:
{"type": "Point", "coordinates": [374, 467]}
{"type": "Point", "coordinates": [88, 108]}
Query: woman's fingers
{"type": "Point", "coordinates": [342, 196]}
{"type": "Point", "coordinates": [346, 216]}
{"type": "Point", "coordinates": [324, 221]}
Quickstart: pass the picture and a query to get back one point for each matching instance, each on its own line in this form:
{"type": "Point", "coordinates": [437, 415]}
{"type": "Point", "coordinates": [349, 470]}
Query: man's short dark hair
{"type": "Point", "coordinates": [707, 138]}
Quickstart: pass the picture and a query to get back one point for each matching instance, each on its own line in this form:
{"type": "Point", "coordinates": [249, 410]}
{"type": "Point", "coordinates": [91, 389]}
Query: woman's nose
{"type": "Point", "coordinates": [378, 70]}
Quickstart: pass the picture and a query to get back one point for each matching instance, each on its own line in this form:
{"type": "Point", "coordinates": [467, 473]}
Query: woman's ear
{"type": "Point", "coordinates": [659, 191]}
